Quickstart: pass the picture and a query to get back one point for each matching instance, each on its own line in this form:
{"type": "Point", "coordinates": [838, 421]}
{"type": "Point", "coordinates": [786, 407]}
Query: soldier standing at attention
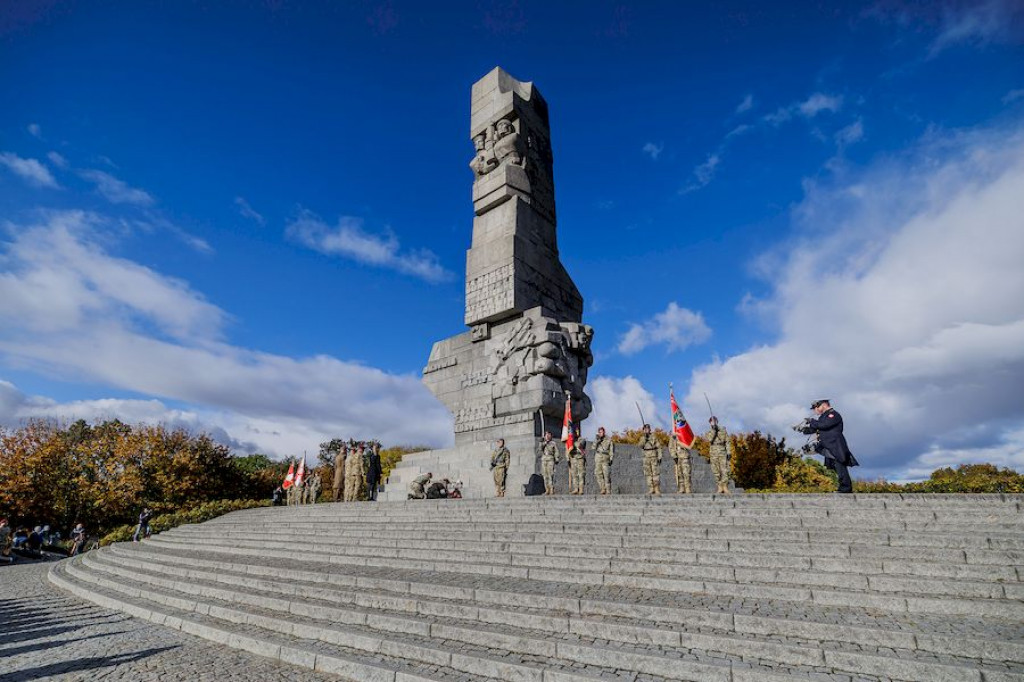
{"type": "Point", "coordinates": [681, 457]}
{"type": "Point", "coordinates": [315, 484]}
{"type": "Point", "coordinates": [718, 440]}
{"type": "Point", "coordinates": [604, 450]}
{"type": "Point", "coordinates": [652, 461]}
{"type": "Point", "coordinates": [577, 465]}
{"type": "Point", "coordinates": [338, 487]}
{"type": "Point", "coordinates": [548, 460]}
{"type": "Point", "coordinates": [354, 474]}
{"type": "Point", "coordinates": [499, 465]}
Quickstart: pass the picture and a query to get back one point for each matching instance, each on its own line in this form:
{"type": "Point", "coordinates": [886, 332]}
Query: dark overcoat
{"type": "Point", "coordinates": [829, 427]}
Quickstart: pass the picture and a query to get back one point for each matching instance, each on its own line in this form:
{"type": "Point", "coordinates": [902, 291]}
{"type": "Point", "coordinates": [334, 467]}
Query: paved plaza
{"type": "Point", "coordinates": [46, 634]}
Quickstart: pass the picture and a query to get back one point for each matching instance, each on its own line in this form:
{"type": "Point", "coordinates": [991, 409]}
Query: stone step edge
{"type": "Point", "coordinates": [980, 542]}
{"type": "Point", "coordinates": [772, 560]}
{"type": "Point", "coordinates": [622, 579]}
{"type": "Point", "coordinates": [268, 647]}
{"type": "Point", "coordinates": [474, 664]}
{"type": "Point", "coordinates": [822, 550]}
{"type": "Point", "coordinates": [976, 650]}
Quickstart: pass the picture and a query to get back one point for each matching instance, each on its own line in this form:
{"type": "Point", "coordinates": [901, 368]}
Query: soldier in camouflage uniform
{"type": "Point", "coordinates": [604, 453]}
{"type": "Point", "coordinates": [418, 486]}
{"type": "Point", "coordinates": [652, 461]}
{"type": "Point", "coordinates": [338, 487]}
{"type": "Point", "coordinates": [548, 459]}
{"type": "Point", "coordinates": [315, 484]}
{"type": "Point", "coordinates": [499, 467]}
{"type": "Point", "coordinates": [577, 465]}
{"type": "Point", "coordinates": [681, 457]}
{"type": "Point", "coordinates": [718, 439]}
{"type": "Point", "coordinates": [354, 474]}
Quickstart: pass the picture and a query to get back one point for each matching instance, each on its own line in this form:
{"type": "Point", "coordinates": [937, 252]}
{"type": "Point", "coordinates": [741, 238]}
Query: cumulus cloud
{"type": "Point", "coordinates": [901, 297]}
{"type": "Point", "coordinates": [350, 240]}
{"type": "Point", "coordinates": [71, 310]}
{"type": "Point", "coordinates": [30, 170]}
{"type": "Point", "coordinates": [653, 150]}
{"type": "Point", "coordinates": [615, 401]}
{"type": "Point", "coordinates": [247, 211]}
{"type": "Point", "coordinates": [675, 328]}
{"type": "Point", "coordinates": [117, 191]}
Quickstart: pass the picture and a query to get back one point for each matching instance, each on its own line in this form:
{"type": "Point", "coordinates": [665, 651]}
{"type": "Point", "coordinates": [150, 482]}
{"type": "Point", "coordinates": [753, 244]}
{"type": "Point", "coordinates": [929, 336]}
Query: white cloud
{"type": "Point", "coordinates": [653, 150]}
{"type": "Point", "coordinates": [1013, 96]}
{"type": "Point", "coordinates": [704, 173]}
{"type": "Point", "coordinates": [57, 160]}
{"type": "Point", "coordinates": [247, 211]}
{"type": "Point", "coordinates": [34, 130]}
{"type": "Point", "coordinates": [809, 108]}
{"type": "Point", "coordinates": [746, 105]}
{"type": "Point", "coordinates": [71, 310]}
{"type": "Point", "coordinates": [901, 298]}
{"type": "Point", "coordinates": [615, 405]}
{"type": "Point", "coordinates": [30, 170]}
{"type": "Point", "coordinates": [977, 23]}
{"type": "Point", "coordinates": [850, 134]}
{"type": "Point", "coordinates": [117, 191]}
{"type": "Point", "coordinates": [350, 240]}
{"type": "Point", "coordinates": [676, 328]}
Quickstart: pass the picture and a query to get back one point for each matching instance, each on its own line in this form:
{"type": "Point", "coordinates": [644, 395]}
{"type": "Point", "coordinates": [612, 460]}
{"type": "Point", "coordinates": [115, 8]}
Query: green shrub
{"type": "Point", "coordinates": [166, 521]}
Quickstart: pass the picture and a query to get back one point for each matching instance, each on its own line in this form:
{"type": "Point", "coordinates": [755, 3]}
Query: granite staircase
{"type": "Point", "coordinates": [741, 588]}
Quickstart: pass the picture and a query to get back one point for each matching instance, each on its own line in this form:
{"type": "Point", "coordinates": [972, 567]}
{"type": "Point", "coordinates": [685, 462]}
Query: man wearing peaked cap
{"type": "Point", "coordinates": [828, 424]}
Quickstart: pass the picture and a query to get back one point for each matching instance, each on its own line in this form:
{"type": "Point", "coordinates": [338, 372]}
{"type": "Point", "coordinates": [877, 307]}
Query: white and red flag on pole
{"type": "Point", "coordinates": [290, 478]}
{"type": "Point", "coordinates": [301, 473]}
{"type": "Point", "coordinates": [679, 424]}
{"type": "Point", "coordinates": [568, 427]}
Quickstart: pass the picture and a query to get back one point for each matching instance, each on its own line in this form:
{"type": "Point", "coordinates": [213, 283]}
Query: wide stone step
{"type": "Point", "coordinates": [684, 561]}
{"type": "Point", "coordinates": [804, 641]}
{"type": "Point", "coordinates": [760, 547]}
{"type": "Point", "coordinates": [894, 599]}
{"type": "Point", "coordinates": [655, 657]}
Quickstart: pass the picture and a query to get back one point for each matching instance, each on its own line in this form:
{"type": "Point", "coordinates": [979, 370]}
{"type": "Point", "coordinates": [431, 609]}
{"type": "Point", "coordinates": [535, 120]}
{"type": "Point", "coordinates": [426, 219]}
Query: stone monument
{"type": "Point", "coordinates": [526, 348]}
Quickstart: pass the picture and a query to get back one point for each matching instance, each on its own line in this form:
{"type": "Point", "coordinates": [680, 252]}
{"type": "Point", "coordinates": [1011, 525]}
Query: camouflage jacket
{"type": "Point", "coordinates": [604, 448]}
{"type": "Point", "coordinates": [718, 439]}
{"type": "Point", "coordinates": [549, 451]}
{"type": "Point", "coordinates": [500, 458]}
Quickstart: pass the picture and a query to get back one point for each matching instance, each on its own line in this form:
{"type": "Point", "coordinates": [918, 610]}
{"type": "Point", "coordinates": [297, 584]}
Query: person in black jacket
{"type": "Point", "coordinates": [828, 426]}
{"type": "Point", "coordinates": [373, 471]}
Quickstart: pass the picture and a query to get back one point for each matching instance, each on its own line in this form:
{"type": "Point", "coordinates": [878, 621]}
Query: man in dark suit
{"type": "Point", "coordinates": [828, 426]}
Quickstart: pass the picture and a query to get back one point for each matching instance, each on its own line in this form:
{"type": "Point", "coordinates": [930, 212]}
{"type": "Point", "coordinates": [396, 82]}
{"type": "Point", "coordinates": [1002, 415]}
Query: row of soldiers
{"type": "Point", "coordinates": [604, 455]}
{"type": "Point", "coordinates": [306, 492]}
{"type": "Point", "coordinates": [357, 468]}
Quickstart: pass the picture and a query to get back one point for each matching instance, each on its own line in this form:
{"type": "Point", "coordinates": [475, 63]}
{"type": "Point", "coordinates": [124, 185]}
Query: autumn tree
{"type": "Point", "coordinates": [755, 458]}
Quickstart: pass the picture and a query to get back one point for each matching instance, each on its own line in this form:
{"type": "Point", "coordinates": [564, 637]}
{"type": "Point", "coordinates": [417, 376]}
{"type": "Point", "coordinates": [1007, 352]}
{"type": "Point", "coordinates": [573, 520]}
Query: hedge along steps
{"type": "Point", "coordinates": [639, 573]}
{"type": "Point", "coordinates": [695, 558]}
{"type": "Point", "coordinates": [381, 623]}
{"type": "Point", "coordinates": [635, 629]}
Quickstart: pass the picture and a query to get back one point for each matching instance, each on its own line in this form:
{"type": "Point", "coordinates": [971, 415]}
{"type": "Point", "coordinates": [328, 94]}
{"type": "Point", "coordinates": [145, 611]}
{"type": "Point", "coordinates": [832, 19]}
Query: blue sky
{"type": "Point", "coordinates": [252, 218]}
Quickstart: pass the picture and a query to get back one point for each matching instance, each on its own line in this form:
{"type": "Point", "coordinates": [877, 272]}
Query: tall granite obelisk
{"type": "Point", "coordinates": [526, 348]}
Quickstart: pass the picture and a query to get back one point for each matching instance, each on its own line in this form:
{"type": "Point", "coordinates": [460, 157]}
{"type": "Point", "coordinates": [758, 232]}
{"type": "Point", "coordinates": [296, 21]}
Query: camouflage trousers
{"type": "Point", "coordinates": [416, 491]}
{"type": "Point", "coordinates": [720, 467]}
{"type": "Point", "coordinates": [353, 487]}
{"type": "Point", "coordinates": [683, 473]}
{"type": "Point", "coordinates": [602, 471]}
{"type": "Point", "coordinates": [652, 472]}
{"type": "Point", "coordinates": [577, 474]}
{"type": "Point", "coordinates": [547, 470]}
{"type": "Point", "coordinates": [499, 480]}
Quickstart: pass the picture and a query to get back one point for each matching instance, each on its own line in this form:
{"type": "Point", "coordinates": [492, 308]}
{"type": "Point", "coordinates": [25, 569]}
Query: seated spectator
{"type": "Point", "coordinates": [77, 538]}
{"type": "Point", "coordinates": [20, 537]}
{"type": "Point", "coordinates": [35, 539]}
{"type": "Point", "coordinates": [6, 540]}
{"type": "Point", "coordinates": [142, 530]}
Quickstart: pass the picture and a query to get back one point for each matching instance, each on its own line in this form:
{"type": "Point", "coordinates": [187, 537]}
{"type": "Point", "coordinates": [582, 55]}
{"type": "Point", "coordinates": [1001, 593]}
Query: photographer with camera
{"type": "Point", "coordinates": [830, 442]}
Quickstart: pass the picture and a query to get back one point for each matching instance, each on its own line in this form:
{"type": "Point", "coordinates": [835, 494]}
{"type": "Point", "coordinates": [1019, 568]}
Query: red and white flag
{"type": "Point", "coordinates": [679, 424]}
{"type": "Point", "coordinates": [301, 473]}
{"type": "Point", "coordinates": [568, 428]}
{"type": "Point", "coordinates": [290, 478]}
